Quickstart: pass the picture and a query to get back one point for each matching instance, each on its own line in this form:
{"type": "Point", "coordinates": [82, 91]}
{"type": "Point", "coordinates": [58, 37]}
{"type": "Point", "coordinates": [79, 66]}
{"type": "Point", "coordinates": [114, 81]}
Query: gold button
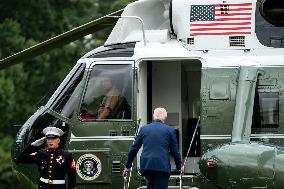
{"type": "Point", "coordinates": [51, 157]}
{"type": "Point", "coordinates": [50, 167]}
{"type": "Point", "coordinates": [49, 171]}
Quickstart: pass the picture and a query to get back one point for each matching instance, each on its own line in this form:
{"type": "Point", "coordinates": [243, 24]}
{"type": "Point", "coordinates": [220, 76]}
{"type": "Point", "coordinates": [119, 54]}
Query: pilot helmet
{"type": "Point", "coordinates": [52, 132]}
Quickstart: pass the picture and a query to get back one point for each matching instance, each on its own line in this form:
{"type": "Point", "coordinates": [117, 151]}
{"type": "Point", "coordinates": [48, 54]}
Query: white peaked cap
{"type": "Point", "coordinates": [52, 131]}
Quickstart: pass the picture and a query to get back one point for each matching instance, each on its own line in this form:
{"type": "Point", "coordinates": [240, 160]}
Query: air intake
{"type": "Point", "coordinates": [237, 41]}
{"type": "Point", "coordinates": [273, 11]}
{"type": "Point", "coordinates": [116, 166]}
{"type": "Point", "coordinates": [190, 41]}
{"type": "Point", "coordinates": [112, 133]}
{"type": "Point", "coordinates": [125, 133]}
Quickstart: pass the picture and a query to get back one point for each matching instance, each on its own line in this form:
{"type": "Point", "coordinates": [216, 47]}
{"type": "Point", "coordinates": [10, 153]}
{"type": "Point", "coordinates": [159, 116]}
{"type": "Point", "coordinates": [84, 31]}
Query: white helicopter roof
{"type": "Point", "coordinates": [220, 33]}
{"type": "Point", "coordinates": [200, 25]}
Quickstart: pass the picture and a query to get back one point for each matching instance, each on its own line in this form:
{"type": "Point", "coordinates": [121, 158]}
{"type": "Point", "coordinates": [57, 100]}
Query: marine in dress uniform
{"type": "Point", "coordinates": [53, 163]}
{"type": "Point", "coordinates": [158, 140]}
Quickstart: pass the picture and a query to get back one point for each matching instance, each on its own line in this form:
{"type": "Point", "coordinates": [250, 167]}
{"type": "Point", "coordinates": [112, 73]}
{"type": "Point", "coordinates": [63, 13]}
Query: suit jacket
{"type": "Point", "coordinates": [158, 140]}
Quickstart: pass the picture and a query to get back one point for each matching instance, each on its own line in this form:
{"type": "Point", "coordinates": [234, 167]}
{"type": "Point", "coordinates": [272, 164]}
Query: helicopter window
{"type": "Point", "coordinates": [108, 94]}
{"type": "Point", "coordinates": [65, 104]}
{"type": "Point", "coordinates": [266, 110]}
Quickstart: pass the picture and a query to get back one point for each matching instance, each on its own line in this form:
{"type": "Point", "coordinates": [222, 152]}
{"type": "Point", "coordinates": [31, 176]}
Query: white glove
{"type": "Point", "coordinates": [38, 142]}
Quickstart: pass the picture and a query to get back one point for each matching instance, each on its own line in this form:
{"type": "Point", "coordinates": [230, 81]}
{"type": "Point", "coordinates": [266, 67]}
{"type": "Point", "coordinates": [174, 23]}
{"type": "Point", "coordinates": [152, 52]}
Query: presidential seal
{"type": "Point", "coordinates": [88, 167]}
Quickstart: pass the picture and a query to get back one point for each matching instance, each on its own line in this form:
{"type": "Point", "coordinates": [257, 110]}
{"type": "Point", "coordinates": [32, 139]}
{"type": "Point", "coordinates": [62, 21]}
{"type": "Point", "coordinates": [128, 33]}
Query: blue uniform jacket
{"type": "Point", "coordinates": [158, 140]}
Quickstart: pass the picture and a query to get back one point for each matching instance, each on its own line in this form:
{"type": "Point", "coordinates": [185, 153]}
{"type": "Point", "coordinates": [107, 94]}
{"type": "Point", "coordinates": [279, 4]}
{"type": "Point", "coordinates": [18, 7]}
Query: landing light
{"type": "Point", "coordinates": [211, 164]}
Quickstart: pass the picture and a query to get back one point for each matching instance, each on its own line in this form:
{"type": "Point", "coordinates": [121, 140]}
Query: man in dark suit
{"type": "Point", "coordinates": [158, 140]}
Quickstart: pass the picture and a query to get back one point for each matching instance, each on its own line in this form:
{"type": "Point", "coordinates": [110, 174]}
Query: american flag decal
{"type": "Point", "coordinates": [221, 19]}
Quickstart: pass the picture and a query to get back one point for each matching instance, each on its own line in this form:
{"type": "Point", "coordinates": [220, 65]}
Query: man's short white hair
{"type": "Point", "coordinates": [160, 114]}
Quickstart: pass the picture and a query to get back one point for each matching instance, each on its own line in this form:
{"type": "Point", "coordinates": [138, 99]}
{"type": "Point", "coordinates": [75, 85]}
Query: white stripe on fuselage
{"type": "Point", "coordinates": [223, 137]}
{"type": "Point", "coordinates": [99, 138]}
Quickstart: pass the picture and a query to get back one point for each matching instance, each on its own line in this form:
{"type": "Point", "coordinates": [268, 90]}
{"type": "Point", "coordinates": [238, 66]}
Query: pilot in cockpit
{"type": "Point", "coordinates": [107, 105]}
{"type": "Point", "coordinates": [111, 101]}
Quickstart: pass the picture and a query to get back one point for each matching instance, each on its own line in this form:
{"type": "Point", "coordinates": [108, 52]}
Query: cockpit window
{"type": "Point", "coordinates": [65, 102]}
{"type": "Point", "coordinates": [109, 93]}
{"type": "Point", "coordinates": [266, 110]}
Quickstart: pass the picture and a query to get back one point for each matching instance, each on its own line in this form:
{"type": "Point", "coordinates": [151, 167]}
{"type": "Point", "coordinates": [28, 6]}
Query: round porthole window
{"type": "Point", "coordinates": [273, 11]}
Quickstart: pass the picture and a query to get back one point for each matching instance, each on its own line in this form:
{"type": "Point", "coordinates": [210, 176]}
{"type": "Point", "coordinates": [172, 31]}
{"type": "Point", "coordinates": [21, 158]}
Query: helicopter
{"type": "Point", "coordinates": [215, 65]}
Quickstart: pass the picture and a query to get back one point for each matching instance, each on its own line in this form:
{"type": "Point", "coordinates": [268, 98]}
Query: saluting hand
{"type": "Point", "coordinates": [38, 142]}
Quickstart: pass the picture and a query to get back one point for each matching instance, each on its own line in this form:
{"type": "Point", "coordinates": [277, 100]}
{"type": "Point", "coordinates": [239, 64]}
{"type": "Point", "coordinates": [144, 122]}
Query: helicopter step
{"type": "Point", "coordinates": [170, 187]}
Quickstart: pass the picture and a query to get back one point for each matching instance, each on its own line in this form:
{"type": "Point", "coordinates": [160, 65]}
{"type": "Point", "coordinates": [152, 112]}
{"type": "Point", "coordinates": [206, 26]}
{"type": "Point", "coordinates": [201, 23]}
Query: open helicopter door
{"type": "Point", "coordinates": [173, 84]}
{"type": "Point", "coordinates": [105, 124]}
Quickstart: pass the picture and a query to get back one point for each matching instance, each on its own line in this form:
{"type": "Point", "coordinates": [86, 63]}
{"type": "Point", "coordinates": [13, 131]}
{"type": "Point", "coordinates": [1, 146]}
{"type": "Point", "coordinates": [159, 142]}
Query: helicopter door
{"type": "Point", "coordinates": [175, 85]}
{"type": "Point", "coordinates": [105, 124]}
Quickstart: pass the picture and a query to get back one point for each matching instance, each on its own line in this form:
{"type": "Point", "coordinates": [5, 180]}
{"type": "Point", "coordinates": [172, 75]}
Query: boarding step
{"type": "Point", "coordinates": [170, 187]}
{"type": "Point", "coordinates": [176, 187]}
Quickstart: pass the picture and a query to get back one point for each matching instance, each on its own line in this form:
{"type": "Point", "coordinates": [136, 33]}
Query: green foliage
{"type": "Point", "coordinates": [6, 177]}
{"type": "Point", "coordinates": [120, 4]}
{"type": "Point", "coordinates": [23, 24]}
{"type": "Point", "coordinates": [11, 41]}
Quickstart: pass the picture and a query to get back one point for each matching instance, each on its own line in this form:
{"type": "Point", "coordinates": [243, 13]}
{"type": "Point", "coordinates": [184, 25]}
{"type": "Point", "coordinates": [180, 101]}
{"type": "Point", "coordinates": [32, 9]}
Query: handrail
{"type": "Point", "coordinates": [125, 183]}
{"type": "Point", "coordinates": [126, 179]}
{"type": "Point", "coordinates": [187, 154]}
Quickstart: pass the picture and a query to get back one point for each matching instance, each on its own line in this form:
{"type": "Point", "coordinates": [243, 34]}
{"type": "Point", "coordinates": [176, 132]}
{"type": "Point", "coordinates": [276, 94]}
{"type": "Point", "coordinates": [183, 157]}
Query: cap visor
{"type": "Point", "coordinates": [51, 136]}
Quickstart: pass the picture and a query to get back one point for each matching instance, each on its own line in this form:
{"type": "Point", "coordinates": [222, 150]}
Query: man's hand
{"type": "Point", "coordinates": [182, 170]}
{"type": "Point", "coordinates": [104, 112]}
{"type": "Point", "coordinates": [126, 172]}
{"type": "Point", "coordinates": [38, 142]}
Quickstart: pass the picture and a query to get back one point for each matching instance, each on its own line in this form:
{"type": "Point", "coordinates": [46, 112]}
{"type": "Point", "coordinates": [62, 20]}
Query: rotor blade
{"type": "Point", "coordinates": [60, 40]}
